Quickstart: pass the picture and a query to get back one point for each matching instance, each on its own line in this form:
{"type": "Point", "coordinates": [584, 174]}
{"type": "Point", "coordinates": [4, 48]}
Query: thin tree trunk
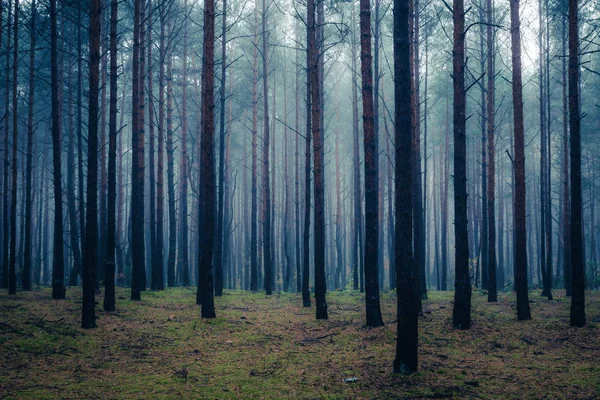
{"type": "Point", "coordinates": [577, 255]}
{"type": "Point", "coordinates": [207, 178]}
{"type": "Point", "coordinates": [491, 162]}
{"type": "Point", "coordinates": [5, 205]}
{"type": "Point", "coordinates": [254, 208]}
{"type": "Point", "coordinates": [158, 264]}
{"type": "Point", "coordinates": [58, 286]}
{"type": "Point", "coordinates": [523, 312]}
{"type": "Point", "coordinates": [269, 276]}
{"type": "Point", "coordinates": [28, 196]}
{"type": "Point", "coordinates": [183, 264]}
{"type": "Point", "coordinates": [90, 257]}
{"type": "Point", "coordinates": [407, 308]}
{"type": "Point", "coordinates": [461, 316]}
{"type": "Point", "coordinates": [373, 309]}
{"type": "Point", "coordinates": [171, 279]}
{"type": "Point", "coordinates": [109, 280]}
{"type": "Point", "coordinates": [318, 157]}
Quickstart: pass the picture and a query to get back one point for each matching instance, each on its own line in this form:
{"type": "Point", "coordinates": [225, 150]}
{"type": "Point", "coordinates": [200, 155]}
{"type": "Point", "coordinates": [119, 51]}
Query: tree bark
{"type": "Point", "coordinates": [373, 309]}
{"type": "Point", "coordinates": [523, 312]}
{"type": "Point", "coordinates": [207, 178]}
{"type": "Point", "coordinates": [318, 157]}
{"type": "Point", "coordinates": [58, 285]}
{"type": "Point", "coordinates": [406, 360]}
{"type": "Point", "coordinates": [28, 246]}
{"type": "Point", "coordinates": [90, 256]}
{"type": "Point", "coordinates": [461, 315]}
{"type": "Point", "coordinates": [577, 255]}
{"type": "Point", "coordinates": [491, 161]}
{"type": "Point", "coordinates": [183, 264]}
{"type": "Point", "coordinates": [109, 280]}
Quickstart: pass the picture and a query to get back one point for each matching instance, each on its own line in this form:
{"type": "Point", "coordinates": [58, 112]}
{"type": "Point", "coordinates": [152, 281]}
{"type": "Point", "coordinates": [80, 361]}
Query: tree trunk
{"type": "Point", "coordinates": [207, 178]}
{"type": "Point", "coordinates": [6, 203]}
{"type": "Point", "coordinates": [171, 277]}
{"type": "Point", "coordinates": [461, 316]}
{"type": "Point", "coordinates": [266, 171]}
{"type": "Point", "coordinates": [318, 157]}
{"type": "Point", "coordinates": [373, 309]}
{"type": "Point", "coordinates": [90, 256]}
{"type": "Point", "coordinates": [520, 227]}
{"type": "Point", "coordinates": [109, 280]}
{"type": "Point", "coordinates": [58, 286]}
{"type": "Point", "coordinates": [566, 210]}
{"type": "Point", "coordinates": [577, 255]}
{"type": "Point", "coordinates": [357, 255]}
{"type": "Point", "coordinates": [218, 260]}
{"type": "Point", "coordinates": [28, 196]}
{"type": "Point", "coordinates": [407, 308]}
{"type": "Point", "coordinates": [491, 161]}
{"type": "Point", "coordinates": [158, 264]}
{"type": "Point", "coordinates": [307, 172]}
{"type": "Point", "coordinates": [419, 222]}
{"type": "Point", "coordinates": [254, 217]}
{"type": "Point", "coordinates": [137, 146]}
{"type": "Point", "coordinates": [183, 264]}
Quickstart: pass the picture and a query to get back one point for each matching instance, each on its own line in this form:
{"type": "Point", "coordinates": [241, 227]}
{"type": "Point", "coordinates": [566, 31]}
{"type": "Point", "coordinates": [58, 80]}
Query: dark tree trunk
{"type": "Point", "coordinates": [566, 209]}
{"type": "Point", "coordinates": [90, 256]}
{"type": "Point", "coordinates": [207, 173]}
{"type": "Point", "coordinates": [318, 157]}
{"type": "Point", "coordinates": [461, 315]}
{"type": "Point", "coordinates": [577, 254]}
{"type": "Point", "coordinates": [307, 172]}
{"type": "Point", "coordinates": [171, 279]}
{"type": "Point", "coordinates": [71, 200]}
{"type": "Point", "coordinates": [109, 280]}
{"type": "Point", "coordinates": [218, 257]}
{"type": "Point", "coordinates": [80, 176]}
{"type": "Point", "coordinates": [158, 264]}
{"type": "Point", "coordinates": [137, 170]}
{"type": "Point", "coordinates": [183, 264]}
{"type": "Point", "coordinates": [6, 202]}
{"type": "Point", "coordinates": [373, 309]}
{"type": "Point", "coordinates": [491, 162]}
{"type": "Point", "coordinates": [444, 204]}
{"type": "Point", "coordinates": [28, 246]}
{"type": "Point", "coordinates": [269, 276]}
{"type": "Point", "coordinates": [520, 226]}
{"type": "Point", "coordinates": [418, 216]}
{"type": "Point", "coordinates": [58, 285]}
{"type": "Point", "coordinates": [407, 308]}
{"type": "Point", "coordinates": [297, 177]}
{"type": "Point", "coordinates": [357, 252]}
{"type": "Point", "coordinates": [254, 217]}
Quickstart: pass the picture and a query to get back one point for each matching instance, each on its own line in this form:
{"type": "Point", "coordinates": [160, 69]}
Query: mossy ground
{"type": "Point", "coordinates": [271, 347]}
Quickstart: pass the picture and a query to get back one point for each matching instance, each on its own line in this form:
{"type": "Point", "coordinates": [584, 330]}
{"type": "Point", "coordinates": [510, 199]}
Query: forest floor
{"type": "Point", "coordinates": [272, 348]}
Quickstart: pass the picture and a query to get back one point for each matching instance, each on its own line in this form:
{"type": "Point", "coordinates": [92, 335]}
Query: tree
{"type": "Point", "coordinates": [520, 226]}
{"type": "Point", "coordinates": [58, 286]}
{"type": "Point", "coordinates": [207, 163]}
{"type": "Point", "coordinates": [26, 279]}
{"type": "Point", "coordinates": [371, 172]}
{"type": "Point", "coordinates": [491, 161]}
{"type": "Point", "coordinates": [58, 272]}
{"type": "Point", "coordinates": [461, 315]}
{"type": "Point", "coordinates": [109, 280]}
{"type": "Point", "coordinates": [183, 181]}
{"type": "Point", "coordinates": [577, 257]}
{"type": "Point", "coordinates": [90, 256]}
{"type": "Point", "coordinates": [407, 326]}
{"type": "Point", "coordinates": [318, 163]}
{"type": "Point", "coordinates": [137, 164]}
{"type": "Point", "coordinates": [268, 266]}
{"type": "Point", "coordinates": [218, 262]}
